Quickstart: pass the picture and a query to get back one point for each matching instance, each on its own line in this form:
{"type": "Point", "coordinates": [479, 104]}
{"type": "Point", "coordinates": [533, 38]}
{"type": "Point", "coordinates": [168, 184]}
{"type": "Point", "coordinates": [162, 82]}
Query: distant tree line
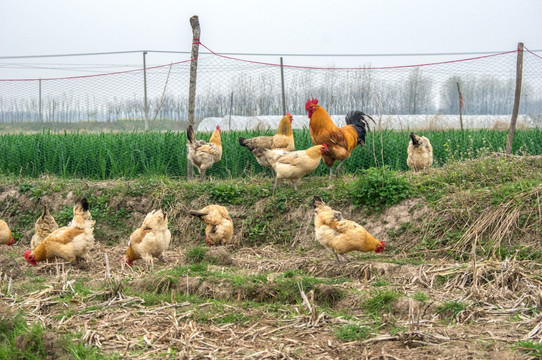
{"type": "Point", "coordinates": [409, 92]}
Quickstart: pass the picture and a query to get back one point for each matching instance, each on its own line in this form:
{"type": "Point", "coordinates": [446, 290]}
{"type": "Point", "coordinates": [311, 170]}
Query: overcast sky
{"type": "Point", "coordinates": [46, 27]}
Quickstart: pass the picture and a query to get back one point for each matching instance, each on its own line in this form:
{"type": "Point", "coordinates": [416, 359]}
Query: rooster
{"type": "Point", "coordinates": [203, 154]}
{"type": "Point", "coordinates": [68, 242]}
{"type": "Point", "coordinates": [5, 234]}
{"type": "Point", "coordinates": [340, 141]}
{"type": "Point", "coordinates": [219, 230]}
{"type": "Point", "coordinates": [339, 235]}
{"type": "Point", "coordinates": [151, 239]}
{"type": "Point", "coordinates": [296, 164]}
{"type": "Point", "coordinates": [420, 153]}
{"type": "Point", "coordinates": [283, 139]}
{"type": "Point", "coordinates": [45, 225]}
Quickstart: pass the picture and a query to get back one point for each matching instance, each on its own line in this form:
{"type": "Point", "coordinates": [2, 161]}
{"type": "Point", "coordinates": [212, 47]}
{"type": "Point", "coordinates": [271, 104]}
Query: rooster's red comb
{"type": "Point", "coordinates": [26, 253]}
{"type": "Point", "coordinates": [310, 102]}
{"type": "Point", "coordinates": [218, 128]}
{"type": "Point", "coordinates": [288, 114]}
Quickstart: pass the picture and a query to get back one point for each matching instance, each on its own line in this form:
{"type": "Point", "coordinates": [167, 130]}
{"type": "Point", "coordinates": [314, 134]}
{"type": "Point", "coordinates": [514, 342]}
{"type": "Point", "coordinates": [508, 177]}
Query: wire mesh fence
{"type": "Point", "coordinates": [245, 97]}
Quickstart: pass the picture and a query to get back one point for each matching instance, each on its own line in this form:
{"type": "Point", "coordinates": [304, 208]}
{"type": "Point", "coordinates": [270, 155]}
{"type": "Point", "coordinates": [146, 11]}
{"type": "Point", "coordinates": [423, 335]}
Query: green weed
{"type": "Point", "coordinates": [532, 349]}
{"type": "Point", "coordinates": [352, 332]}
{"type": "Point", "coordinates": [450, 309]}
{"type": "Point", "coordinates": [377, 188]}
{"type": "Point", "coordinates": [421, 297]}
{"type": "Point", "coordinates": [196, 254]}
{"type": "Point", "coordinates": [380, 302]}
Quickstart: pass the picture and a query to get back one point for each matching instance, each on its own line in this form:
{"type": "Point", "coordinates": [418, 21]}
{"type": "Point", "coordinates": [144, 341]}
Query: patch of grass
{"type": "Point", "coordinates": [18, 340]}
{"type": "Point", "coordinates": [29, 287]}
{"type": "Point", "coordinates": [380, 302]}
{"type": "Point", "coordinates": [65, 215]}
{"type": "Point", "coordinates": [90, 308]}
{"type": "Point", "coordinates": [397, 330]}
{"type": "Point", "coordinates": [226, 193]}
{"type": "Point", "coordinates": [196, 254]}
{"type": "Point", "coordinates": [352, 332]}
{"type": "Point", "coordinates": [80, 286]}
{"type": "Point", "coordinates": [78, 350]}
{"type": "Point", "coordinates": [152, 298]}
{"type": "Point", "coordinates": [380, 282]}
{"type": "Point", "coordinates": [34, 278]}
{"type": "Point", "coordinates": [243, 280]}
{"type": "Point", "coordinates": [11, 329]}
{"type": "Point", "coordinates": [450, 309]}
{"type": "Point", "coordinates": [282, 289]}
{"type": "Point", "coordinates": [410, 259]}
{"type": "Point", "coordinates": [442, 279]}
{"type": "Point", "coordinates": [532, 349]}
{"type": "Point", "coordinates": [520, 252]}
{"type": "Point", "coordinates": [232, 318]}
{"type": "Point", "coordinates": [421, 297]}
{"type": "Point", "coordinates": [174, 273]}
{"type": "Point", "coordinates": [403, 228]}
{"type": "Point", "coordinates": [377, 188]}
{"type": "Point", "coordinates": [287, 286]}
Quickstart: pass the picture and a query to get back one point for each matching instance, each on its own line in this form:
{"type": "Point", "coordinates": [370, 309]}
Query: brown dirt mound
{"type": "Point", "coordinates": [9, 267]}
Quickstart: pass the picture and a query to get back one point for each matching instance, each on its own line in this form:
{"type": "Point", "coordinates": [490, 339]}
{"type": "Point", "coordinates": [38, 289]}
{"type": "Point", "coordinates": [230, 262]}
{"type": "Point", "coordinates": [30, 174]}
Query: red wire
{"type": "Point", "coordinates": [358, 68]}
{"type": "Point", "coordinates": [197, 41]}
{"type": "Point", "coordinates": [530, 52]}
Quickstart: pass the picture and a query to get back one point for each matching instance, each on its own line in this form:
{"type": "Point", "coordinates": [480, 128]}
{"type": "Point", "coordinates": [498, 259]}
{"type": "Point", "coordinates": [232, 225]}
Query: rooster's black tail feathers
{"type": "Point", "coordinates": [359, 120]}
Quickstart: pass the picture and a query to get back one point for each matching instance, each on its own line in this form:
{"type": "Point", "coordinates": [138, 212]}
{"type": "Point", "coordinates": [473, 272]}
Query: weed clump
{"type": "Point", "coordinates": [196, 254]}
{"type": "Point", "coordinates": [378, 188]}
{"type": "Point", "coordinates": [352, 332]}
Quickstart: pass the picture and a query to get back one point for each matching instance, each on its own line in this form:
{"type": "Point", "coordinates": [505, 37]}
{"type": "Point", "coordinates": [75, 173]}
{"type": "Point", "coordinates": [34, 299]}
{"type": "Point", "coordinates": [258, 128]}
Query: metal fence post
{"type": "Point", "coordinates": [40, 116]}
{"type": "Point", "coordinates": [519, 75]}
{"type": "Point", "coordinates": [231, 109]}
{"type": "Point", "coordinates": [282, 83]}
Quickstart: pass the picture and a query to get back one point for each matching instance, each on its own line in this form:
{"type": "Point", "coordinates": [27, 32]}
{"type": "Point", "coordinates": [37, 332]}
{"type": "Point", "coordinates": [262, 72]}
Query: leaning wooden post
{"type": "Point", "coordinates": [519, 74]}
{"type": "Point", "coordinates": [194, 22]}
{"type": "Point", "coordinates": [461, 104]}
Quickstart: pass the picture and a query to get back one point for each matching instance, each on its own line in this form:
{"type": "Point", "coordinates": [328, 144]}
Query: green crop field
{"type": "Point", "coordinates": [131, 154]}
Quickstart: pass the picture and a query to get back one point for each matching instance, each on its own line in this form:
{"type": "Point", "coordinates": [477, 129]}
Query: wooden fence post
{"type": "Point", "coordinates": [519, 74]}
{"type": "Point", "coordinates": [194, 23]}
{"type": "Point", "coordinates": [461, 104]}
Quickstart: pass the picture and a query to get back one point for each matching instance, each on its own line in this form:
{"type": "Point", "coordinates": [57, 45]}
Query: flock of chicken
{"type": "Point", "coordinates": [331, 144]}
{"type": "Point", "coordinates": [149, 241]}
